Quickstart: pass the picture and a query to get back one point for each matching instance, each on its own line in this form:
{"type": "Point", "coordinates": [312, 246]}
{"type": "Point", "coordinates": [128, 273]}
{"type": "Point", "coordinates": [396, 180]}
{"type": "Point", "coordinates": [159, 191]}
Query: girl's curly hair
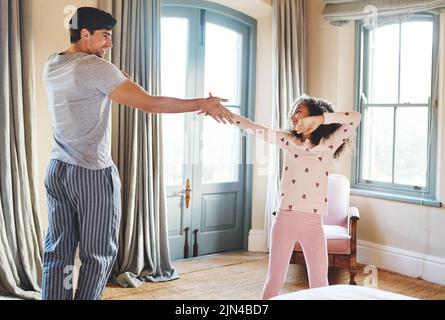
{"type": "Point", "coordinates": [316, 108]}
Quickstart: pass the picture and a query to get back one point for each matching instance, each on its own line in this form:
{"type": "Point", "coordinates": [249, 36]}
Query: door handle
{"type": "Point", "coordinates": [186, 244]}
{"type": "Point", "coordinates": [195, 245]}
{"type": "Point", "coordinates": [188, 194]}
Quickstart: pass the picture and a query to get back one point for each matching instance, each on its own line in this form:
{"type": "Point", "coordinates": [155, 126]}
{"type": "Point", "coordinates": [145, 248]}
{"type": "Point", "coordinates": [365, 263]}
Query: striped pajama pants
{"type": "Point", "coordinates": [83, 211]}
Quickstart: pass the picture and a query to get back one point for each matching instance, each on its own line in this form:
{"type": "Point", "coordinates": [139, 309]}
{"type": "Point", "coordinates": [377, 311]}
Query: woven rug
{"type": "Point", "coordinates": [240, 276]}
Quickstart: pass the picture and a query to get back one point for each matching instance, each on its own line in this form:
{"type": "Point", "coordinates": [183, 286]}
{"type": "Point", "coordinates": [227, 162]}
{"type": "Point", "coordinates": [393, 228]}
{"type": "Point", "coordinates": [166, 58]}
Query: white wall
{"type": "Point", "coordinates": [263, 114]}
{"type": "Point", "coordinates": [256, 9]}
{"type": "Point", "coordinates": [399, 236]}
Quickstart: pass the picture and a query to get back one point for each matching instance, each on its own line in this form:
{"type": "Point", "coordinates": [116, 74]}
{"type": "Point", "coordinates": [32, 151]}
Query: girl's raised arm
{"type": "Point", "coordinates": [349, 122]}
{"type": "Point", "coordinates": [281, 139]}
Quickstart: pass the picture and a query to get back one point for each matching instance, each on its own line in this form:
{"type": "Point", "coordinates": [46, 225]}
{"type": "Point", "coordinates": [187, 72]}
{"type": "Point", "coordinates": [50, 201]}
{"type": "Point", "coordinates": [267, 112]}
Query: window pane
{"type": "Point", "coordinates": [173, 129]}
{"type": "Point", "coordinates": [174, 53]}
{"type": "Point", "coordinates": [174, 38]}
{"type": "Point", "coordinates": [416, 63]}
{"type": "Point", "coordinates": [378, 144]}
{"type": "Point", "coordinates": [384, 65]}
{"type": "Point", "coordinates": [221, 152]}
{"type": "Point", "coordinates": [223, 63]}
{"type": "Point", "coordinates": [411, 146]}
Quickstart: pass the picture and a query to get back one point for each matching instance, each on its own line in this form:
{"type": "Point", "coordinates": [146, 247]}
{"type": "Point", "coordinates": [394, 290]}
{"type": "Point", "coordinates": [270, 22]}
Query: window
{"type": "Point", "coordinates": [205, 48]}
{"type": "Point", "coordinates": [396, 68]}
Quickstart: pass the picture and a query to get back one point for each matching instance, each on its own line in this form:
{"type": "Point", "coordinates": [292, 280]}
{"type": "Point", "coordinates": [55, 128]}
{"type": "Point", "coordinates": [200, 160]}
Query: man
{"type": "Point", "coordinates": [82, 183]}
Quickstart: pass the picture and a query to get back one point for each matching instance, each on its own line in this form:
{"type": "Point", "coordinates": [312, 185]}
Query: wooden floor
{"type": "Point", "coordinates": [240, 276]}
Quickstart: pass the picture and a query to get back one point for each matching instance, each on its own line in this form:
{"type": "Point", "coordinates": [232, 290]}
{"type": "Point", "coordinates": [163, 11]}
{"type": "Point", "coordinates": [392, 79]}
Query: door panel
{"type": "Point", "coordinates": [218, 212]}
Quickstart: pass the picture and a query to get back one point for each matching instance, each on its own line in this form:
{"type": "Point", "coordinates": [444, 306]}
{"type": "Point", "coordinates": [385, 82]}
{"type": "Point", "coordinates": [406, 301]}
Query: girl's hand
{"type": "Point", "coordinates": [213, 107]}
{"type": "Point", "coordinates": [309, 124]}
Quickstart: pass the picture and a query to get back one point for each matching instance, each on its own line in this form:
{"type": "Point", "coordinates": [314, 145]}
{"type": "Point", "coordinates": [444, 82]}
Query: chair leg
{"type": "Point", "coordinates": [352, 274]}
{"type": "Point", "coordinates": [352, 271]}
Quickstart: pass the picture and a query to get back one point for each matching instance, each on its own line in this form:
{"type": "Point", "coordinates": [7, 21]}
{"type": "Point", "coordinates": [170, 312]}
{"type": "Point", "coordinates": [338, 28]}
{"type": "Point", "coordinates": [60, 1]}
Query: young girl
{"type": "Point", "coordinates": [318, 136]}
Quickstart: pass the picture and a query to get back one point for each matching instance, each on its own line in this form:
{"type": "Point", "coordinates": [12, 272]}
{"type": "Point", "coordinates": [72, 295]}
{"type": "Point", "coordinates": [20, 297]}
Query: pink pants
{"type": "Point", "coordinates": [289, 227]}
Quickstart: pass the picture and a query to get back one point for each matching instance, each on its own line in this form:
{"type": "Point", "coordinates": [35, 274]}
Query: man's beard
{"type": "Point", "coordinates": [101, 53]}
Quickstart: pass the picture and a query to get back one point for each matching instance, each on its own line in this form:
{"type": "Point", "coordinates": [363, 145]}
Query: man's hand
{"type": "Point", "coordinates": [309, 124]}
{"type": "Point", "coordinates": [212, 106]}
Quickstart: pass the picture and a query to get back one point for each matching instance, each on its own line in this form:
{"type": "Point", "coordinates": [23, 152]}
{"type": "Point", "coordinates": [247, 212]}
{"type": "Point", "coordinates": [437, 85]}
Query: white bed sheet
{"type": "Point", "coordinates": [342, 292]}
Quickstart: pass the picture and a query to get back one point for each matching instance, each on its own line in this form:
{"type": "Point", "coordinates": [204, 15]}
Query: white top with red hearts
{"type": "Point", "coordinates": [304, 183]}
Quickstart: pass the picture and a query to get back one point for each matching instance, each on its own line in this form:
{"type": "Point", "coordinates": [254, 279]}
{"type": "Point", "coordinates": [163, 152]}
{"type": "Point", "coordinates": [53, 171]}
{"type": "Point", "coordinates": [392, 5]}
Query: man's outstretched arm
{"type": "Point", "coordinates": [133, 95]}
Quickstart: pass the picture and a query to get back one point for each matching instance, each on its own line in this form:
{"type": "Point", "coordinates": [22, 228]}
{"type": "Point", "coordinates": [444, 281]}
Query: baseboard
{"type": "Point", "coordinates": [257, 241]}
{"type": "Point", "coordinates": [409, 263]}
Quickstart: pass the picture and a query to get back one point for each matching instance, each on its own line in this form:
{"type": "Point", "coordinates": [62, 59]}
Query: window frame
{"type": "Point", "coordinates": [393, 191]}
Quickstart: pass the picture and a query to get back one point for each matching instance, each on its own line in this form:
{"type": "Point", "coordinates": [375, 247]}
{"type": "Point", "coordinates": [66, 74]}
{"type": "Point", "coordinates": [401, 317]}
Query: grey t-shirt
{"type": "Point", "coordinates": [78, 86]}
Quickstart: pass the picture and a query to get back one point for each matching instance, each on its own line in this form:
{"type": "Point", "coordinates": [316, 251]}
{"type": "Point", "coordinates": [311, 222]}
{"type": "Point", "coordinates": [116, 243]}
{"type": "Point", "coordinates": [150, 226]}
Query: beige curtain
{"type": "Point", "coordinates": [21, 240]}
{"type": "Point", "coordinates": [137, 148]}
{"type": "Point", "coordinates": [289, 74]}
{"type": "Point", "coordinates": [339, 12]}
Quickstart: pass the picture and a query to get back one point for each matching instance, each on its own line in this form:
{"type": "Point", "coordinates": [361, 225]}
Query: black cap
{"type": "Point", "coordinates": [92, 19]}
